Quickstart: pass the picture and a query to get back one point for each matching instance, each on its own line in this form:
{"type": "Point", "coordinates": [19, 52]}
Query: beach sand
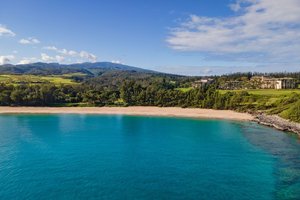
{"type": "Point", "coordinates": [134, 110]}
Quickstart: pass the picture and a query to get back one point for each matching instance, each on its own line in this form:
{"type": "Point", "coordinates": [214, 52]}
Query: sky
{"type": "Point", "coordinates": [189, 37]}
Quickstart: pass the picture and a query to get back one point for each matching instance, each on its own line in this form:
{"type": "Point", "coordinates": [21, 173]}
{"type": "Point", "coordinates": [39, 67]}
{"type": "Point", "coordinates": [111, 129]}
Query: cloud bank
{"type": "Point", "coordinates": [260, 30]}
{"type": "Point", "coordinates": [57, 55]}
{"type": "Point", "coordinates": [79, 55]}
{"type": "Point", "coordinates": [25, 60]}
{"type": "Point", "coordinates": [47, 58]}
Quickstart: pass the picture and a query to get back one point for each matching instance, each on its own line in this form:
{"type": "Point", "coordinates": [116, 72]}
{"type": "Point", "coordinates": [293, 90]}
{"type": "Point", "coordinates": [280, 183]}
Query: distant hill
{"type": "Point", "coordinates": [91, 69]}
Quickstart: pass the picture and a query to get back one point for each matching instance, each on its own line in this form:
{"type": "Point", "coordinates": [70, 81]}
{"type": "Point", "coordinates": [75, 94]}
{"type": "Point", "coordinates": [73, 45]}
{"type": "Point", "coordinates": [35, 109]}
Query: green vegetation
{"type": "Point", "coordinates": [184, 89]}
{"type": "Point", "coordinates": [285, 103]}
{"type": "Point", "coordinates": [150, 91]}
{"type": "Point", "coordinates": [107, 84]}
{"type": "Point", "coordinates": [292, 113]}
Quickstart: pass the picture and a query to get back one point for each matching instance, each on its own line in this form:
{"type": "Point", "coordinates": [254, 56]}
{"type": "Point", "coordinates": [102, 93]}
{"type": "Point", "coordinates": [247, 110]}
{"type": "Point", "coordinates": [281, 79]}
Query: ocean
{"type": "Point", "coordinates": [75, 156]}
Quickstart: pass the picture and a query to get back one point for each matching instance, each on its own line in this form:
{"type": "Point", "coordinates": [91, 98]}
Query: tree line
{"type": "Point", "coordinates": [129, 93]}
{"type": "Point", "coordinates": [146, 93]}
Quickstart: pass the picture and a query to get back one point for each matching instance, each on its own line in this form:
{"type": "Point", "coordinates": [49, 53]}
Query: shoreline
{"type": "Point", "coordinates": [278, 123]}
{"type": "Point", "coordinates": [134, 110]}
{"type": "Point", "coordinates": [273, 121]}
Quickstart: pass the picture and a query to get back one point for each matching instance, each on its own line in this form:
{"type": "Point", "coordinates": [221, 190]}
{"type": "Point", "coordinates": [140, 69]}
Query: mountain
{"type": "Point", "coordinates": [91, 69]}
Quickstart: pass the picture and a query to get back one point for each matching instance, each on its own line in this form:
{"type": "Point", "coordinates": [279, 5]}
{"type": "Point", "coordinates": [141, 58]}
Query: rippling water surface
{"type": "Point", "coordinates": [122, 157]}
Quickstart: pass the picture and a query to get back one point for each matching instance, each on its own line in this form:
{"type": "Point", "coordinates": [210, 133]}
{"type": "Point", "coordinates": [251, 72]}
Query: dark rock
{"type": "Point", "coordinates": [277, 122]}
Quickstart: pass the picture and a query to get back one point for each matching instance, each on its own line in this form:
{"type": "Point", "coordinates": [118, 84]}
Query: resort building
{"type": "Point", "coordinates": [202, 83]}
{"type": "Point", "coordinates": [263, 82]}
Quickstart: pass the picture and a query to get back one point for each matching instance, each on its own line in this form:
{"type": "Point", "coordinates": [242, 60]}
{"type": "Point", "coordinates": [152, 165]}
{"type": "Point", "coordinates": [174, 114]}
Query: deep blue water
{"type": "Point", "coordinates": [123, 157]}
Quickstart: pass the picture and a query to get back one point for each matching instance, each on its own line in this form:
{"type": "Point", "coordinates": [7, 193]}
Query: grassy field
{"type": "Point", "coordinates": [33, 79]}
{"type": "Point", "coordinates": [184, 89]}
{"type": "Point", "coordinates": [78, 74]}
{"type": "Point", "coordinates": [265, 92]}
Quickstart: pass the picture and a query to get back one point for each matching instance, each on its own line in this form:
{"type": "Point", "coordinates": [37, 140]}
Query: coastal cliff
{"type": "Point", "coordinates": [277, 122]}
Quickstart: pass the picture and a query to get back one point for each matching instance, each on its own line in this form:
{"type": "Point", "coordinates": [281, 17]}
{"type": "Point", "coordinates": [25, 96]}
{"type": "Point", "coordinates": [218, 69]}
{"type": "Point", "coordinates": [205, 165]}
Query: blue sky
{"type": "Point", "coordinates": [178, 36]}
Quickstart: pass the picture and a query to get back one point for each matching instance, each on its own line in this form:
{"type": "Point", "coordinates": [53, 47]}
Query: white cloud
{"type": "Point", "coordinates": [82, 55]}
{"type": "Point", "coordinates": [116, 61]}
{"type": "Point", "coordinates": [27, 60]}
{"type": "Point", "coordinates": [6, 32]}
{"type": "Point", "coordinates": [237, 5]}
{"type": "Point", "coordinates": [261, 30]}
{"type": "Point", "coordinates": [53, 48]}
{"type": "Point", "coordinates": [88, 56]}
{"type": "Point", "coordinates": [59, 58]}
{"type": "Point", "coordinates": [67, 52]}
{"type": "Point", "coordinates": [29, 40]}
{"type": "Point", "coordinates": [72, 53]}
{"type": "Point", "coordinates": [23, 62]}
{"type": "Point", "coordinates": [211, 69]}
{"type": "Point", "coordinates": [6, 59]}
{"type": "Point", "coordinates": [47, 58]}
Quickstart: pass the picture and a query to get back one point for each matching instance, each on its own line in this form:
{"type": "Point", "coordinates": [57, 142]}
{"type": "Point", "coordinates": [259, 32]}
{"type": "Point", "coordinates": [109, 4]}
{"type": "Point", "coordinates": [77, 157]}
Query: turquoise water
{"type": "Point", "coordinates": [123, 157]}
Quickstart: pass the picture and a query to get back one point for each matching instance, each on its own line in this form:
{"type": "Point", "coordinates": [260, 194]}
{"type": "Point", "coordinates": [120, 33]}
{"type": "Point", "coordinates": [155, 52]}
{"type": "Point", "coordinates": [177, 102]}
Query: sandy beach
{"type": "Point", "coordinates": [136, 110]}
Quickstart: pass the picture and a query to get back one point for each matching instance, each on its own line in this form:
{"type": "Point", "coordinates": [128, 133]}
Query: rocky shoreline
{"type": "Point", "coordinates": [277, 122]}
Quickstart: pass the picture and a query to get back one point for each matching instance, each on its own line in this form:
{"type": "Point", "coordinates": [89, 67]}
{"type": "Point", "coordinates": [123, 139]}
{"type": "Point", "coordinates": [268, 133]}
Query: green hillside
{"type": "Point", "coordinates": [109, 84]}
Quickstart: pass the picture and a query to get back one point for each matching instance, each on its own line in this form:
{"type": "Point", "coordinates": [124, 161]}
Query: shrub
{"type": "Point", "coordinates": [293, 113]}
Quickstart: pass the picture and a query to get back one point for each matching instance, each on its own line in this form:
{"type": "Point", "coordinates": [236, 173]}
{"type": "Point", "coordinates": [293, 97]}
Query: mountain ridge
{"type": "Point", "coordinates": [92, 69]}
